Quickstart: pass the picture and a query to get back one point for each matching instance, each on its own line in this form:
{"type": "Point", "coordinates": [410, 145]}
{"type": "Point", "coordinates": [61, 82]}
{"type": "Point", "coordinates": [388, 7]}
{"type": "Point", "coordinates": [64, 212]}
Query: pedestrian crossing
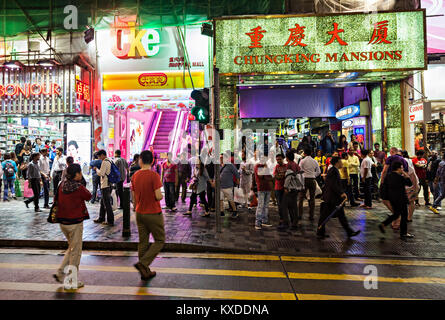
{"type": "Point", "coordinates": [221, 276]}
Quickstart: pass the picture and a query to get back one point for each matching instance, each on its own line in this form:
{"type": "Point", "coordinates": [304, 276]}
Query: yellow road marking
{"type": "Point", "coordinates": [334, 297]}
{"type": "Point", "coordinates": [208, 272]}
{"type": "Point", "coordinates": [149, 291]}
{"type": "Point", "coordinates": [359, 277]}
{"type": "Point", "coordinates": [421, 263]}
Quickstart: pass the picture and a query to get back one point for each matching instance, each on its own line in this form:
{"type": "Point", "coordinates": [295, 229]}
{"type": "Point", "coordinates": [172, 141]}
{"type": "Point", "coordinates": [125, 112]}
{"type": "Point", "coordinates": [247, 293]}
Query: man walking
{"type": "Point", "coordinates": [33, 175]}
{"type": "Point", "coordinates": [170, 179]}
{"type": "Point", "coordinates": [311, 171]}
{"type": "Point", "coordinates": [366, 175]}
{"type": "Point", "coordinates": [146, 189]}
{"type": "Point", "coordinates": [184, 175]}
{"type": "Point", "coordinates": [420, 165]}
{"type": "Point", "coordinates": [9, 169]}
{"type": "Point", "coordinates": [440, 176]}
{"type": "Point", "coordinates": [123, 167]}
{"type": "Point", "coordinates": [105, 188]}
{"type": "Point", "coordinates": [44, 164]}
{"type": "Point", "coordinates": [59, 164]}
{"type": "Point", "coordinates": [333, 196]}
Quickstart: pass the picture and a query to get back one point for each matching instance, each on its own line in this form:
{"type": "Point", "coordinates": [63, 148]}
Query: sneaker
{"type": "Point", "coordinates": [267, 225]}
{"type": "Point", "coordinates": [434, 210]}
{"type": "Point", "coordinates": [188, 213]}
{"type": "Point", "coordinates": [406, 236]}
{"type": "Point", "coordinates": [257, 227]}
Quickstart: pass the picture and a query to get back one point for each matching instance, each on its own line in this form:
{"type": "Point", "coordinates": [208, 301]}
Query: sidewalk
{"type": "Point", "coordinates": [195, 233]}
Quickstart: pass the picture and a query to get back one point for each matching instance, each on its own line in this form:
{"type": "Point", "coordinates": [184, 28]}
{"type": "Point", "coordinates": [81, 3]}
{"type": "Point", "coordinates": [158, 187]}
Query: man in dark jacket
{"type": "Point", "coordinates": [396, 181]}
{"type": "Point", "coordinates": [184, 175]}
{"type": "Point", "coordinates": [334, 195]}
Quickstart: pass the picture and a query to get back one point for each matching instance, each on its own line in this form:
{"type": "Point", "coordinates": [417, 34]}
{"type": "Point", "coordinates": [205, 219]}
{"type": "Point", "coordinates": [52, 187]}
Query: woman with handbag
{"type": "Point", "coordinates": [198, 187]}
{"type": "Point", "coordinates": [71, 211]}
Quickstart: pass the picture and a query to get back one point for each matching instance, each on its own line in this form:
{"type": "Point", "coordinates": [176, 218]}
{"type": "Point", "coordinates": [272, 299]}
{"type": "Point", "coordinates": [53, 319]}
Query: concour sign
{"type": "Point", "coordinates": [346, 42]}
{"type": "Point", "coordinates": [419, 112]}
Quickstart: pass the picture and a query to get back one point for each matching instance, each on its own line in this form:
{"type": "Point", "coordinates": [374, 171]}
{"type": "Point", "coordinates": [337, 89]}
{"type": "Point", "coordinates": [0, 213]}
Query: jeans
{"type": "Point", "coordinates": [263, 208]}
{"type": "Point", "coordinates": [279, 195]}
{"type": "Point", "coordinates": [35, 186]}
{"type": "Point", "coordinates": [424, 184]}
{"type": "Point", "coordinates": [169, 189]}
{"type": "Point", "coordinates": [105, 206]}
{"type": "Point", "coordinates": [8, 184]}
{"type": "Point", "coordinates": [311, 185]}
{"type": "Point", "coordinates": [368, 192]}
{"type": "Point", "coordinates": [290, 208]}
{"type": "Point", "coordinates": [96, 184]}
{"type": "Point", "coordinates": [183, 184]}
{"type": "Point", "coordinates": [441, 195]}
{"type": "Point", "coordinates": [45, 183]}
{"type": "Point", "coordinates": [354, 182]}
{"type": "Point", "coordinates": [202, 199]}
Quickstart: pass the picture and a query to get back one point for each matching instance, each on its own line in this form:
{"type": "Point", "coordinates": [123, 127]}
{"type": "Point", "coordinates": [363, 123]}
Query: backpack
{"type": "Point", "coordinates": [9, 170]}
{"type": "Point", "coordinates": [115, 175]}
{"type": "Point", "coordinates": [292, 182]}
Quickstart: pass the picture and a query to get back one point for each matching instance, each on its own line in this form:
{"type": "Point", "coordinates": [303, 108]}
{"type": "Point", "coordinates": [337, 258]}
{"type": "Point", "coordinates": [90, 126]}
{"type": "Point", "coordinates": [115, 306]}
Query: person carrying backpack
{"type": "Point", "coordinates": [9, 168]}
{"type": "Point", "coordinates": [108, 174]}
{"type": "Point", "coordinates": [292, 185]}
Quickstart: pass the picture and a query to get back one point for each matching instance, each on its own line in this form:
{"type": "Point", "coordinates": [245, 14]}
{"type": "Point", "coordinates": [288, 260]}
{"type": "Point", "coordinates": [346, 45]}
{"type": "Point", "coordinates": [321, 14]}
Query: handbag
{"type": "Point", "coordinates": [18, 190]}
{"type": "Point", "coordinates": [52, 217]}
{"type": "Point", "coordinates": [27, 191]}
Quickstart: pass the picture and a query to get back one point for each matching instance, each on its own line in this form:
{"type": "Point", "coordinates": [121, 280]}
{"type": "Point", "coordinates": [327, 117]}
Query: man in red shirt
{"type": "Point", "coordinates": [420, 165]}
{"type": "Point", "coordinates": [279, 174]}
{"type": "Point", "coordinates": [146, 189]}
{"type": "Point", "coordinates": [170, 178]}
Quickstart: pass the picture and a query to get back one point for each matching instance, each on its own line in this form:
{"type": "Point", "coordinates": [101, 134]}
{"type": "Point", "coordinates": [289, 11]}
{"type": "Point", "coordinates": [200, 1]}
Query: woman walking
{"type": "Point", "coordinates": [71, 212]}
{"type": "Point", "coordinates": [199, 186]}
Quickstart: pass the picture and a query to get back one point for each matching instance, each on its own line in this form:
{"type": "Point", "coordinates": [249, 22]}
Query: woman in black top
{"type": "Point", "coordinates": [396, 181]}
{"type": "Point", "coordinates": [134, 165]}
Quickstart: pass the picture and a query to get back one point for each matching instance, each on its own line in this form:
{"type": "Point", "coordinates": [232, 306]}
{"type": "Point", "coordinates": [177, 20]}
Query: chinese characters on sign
{"type": "Point", "coordinates": [82, 91]}
{"type": "Point", "coordinates": [255, 36]}
{"type": "Point", "coordinates": [296, 36]}
{"type": "Point", "coordinates": [178, 62]}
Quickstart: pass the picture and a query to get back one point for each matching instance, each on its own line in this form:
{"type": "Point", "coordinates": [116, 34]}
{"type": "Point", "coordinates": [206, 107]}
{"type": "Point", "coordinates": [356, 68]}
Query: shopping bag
{"type": "Point", "coordinates": [253, 199]}
{"type": "Point", "coordinates": [113, 201]}
{"type": "Point", "coordinates": [27, 191]}
{"type": "Point", "coordinates": [239, 196]}
{"type": "Point", "coordinates": [18, 191]}
{"type": "Point", "coordinates": [318, 190]}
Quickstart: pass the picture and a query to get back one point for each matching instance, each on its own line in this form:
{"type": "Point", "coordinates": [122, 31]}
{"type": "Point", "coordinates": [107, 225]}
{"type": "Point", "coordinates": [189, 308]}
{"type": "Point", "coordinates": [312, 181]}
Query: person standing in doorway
{"type": "Point", "coordinates": [420, 165]}
{"type": "Point", "coordinates": [105, 189]}
{"type": "Point", "coordinates": [33, 176]}
{"type": "Point", "coordinates": [122, 165]}
{"type": "Point", "coordinates": [170, 179]}
{"type": "Point", "coordinates": [59, 164]}
{"type": "Point", "coordinates": [146, 193]}
{"type": "Point", "coordinates": [44, 164]}
{"type": "Point", "coordinates": [95, 163]}
{"type": "Point", "coordinates": [366, 175]}
{"type": "Point", "coordinates": [311, 171]}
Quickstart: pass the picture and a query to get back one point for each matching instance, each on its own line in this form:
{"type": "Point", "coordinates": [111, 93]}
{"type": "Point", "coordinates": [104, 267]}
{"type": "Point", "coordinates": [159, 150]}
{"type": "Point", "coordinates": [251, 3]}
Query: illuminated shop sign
{"type": "Point", "coordinates": [348, 112]}
{"type": "Point", "coordinates": [29, 89]}
{"type": "Point", "coordinates": [127, 42]}
{"type": "Point", "coordinates": [82, 91]}
{"type": "Point", "coordinates": [348, 42]}
{"type": "Point", "coordinates": [420, 112]}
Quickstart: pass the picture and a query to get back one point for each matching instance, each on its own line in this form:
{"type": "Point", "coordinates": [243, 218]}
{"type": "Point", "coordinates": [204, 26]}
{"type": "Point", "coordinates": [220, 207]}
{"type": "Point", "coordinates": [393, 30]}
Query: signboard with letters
{"type": "Point", "coordinates": [308, 43]}
{"type": "Point", "coordinates": [419, 112]}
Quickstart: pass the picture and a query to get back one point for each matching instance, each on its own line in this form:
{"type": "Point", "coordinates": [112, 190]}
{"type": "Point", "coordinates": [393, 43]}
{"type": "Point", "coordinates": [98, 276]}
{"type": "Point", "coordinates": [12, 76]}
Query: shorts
{"type": "Point", "coordinates": [227, 194]}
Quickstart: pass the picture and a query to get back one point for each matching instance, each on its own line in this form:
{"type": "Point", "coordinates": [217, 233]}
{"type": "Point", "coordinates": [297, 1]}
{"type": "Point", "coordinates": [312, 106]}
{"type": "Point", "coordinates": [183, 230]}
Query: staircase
{"type": "Point", "coordinates": [166, 125]}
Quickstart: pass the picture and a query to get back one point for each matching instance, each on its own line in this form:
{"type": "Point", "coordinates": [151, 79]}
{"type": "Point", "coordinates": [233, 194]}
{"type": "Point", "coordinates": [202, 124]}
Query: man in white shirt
{"type": "Point", "coordinates": [105, 188]}
{"type": "Point", "coordinates": [59, 164]}
{"type": "Point", "coordinates": [366, 175]}
{"type": "Point", "coordinates": [311, 170]}
{"type": "Point", "coordinates": [45, 172]}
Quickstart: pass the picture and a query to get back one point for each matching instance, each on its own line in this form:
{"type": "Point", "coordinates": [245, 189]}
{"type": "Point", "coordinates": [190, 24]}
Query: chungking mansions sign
{"type": "Point", "coordinates": [347, 42]}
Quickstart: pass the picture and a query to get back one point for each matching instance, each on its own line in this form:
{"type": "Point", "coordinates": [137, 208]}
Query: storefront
{"type": "Point", "coordinates": [310, 66]}
{"type": "Point", "coordinates": [355, 120]}
{"type": "Point", "coordinates": [147, 80]}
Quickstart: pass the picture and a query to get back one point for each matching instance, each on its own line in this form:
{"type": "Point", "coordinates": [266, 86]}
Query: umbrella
{"type": "Point", "coordinates": [337, 208]}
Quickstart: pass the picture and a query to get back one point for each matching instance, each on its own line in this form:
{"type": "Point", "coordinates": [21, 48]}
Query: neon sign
{"type": "Point", "coordinates": [28, 89]}
{"type": "Point", "coordinates": [348, 112]}
{"type": "Point", "coordinates": [129, 43]}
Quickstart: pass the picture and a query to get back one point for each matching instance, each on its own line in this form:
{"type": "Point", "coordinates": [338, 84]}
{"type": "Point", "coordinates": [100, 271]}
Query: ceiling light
{"type": "Point", "coordinates": [13, 64]}
{"type": "Point", "coordinates": [314, 85]}
{"type": "Point", "coordinates": [292, 86]}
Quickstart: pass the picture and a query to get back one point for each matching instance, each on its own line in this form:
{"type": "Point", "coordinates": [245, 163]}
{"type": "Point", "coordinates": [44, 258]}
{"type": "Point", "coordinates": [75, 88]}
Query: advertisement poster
{"type": "Point", "coordinates": [79, 143]}
{"type": "Point", "coordinates": [136, 137]}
